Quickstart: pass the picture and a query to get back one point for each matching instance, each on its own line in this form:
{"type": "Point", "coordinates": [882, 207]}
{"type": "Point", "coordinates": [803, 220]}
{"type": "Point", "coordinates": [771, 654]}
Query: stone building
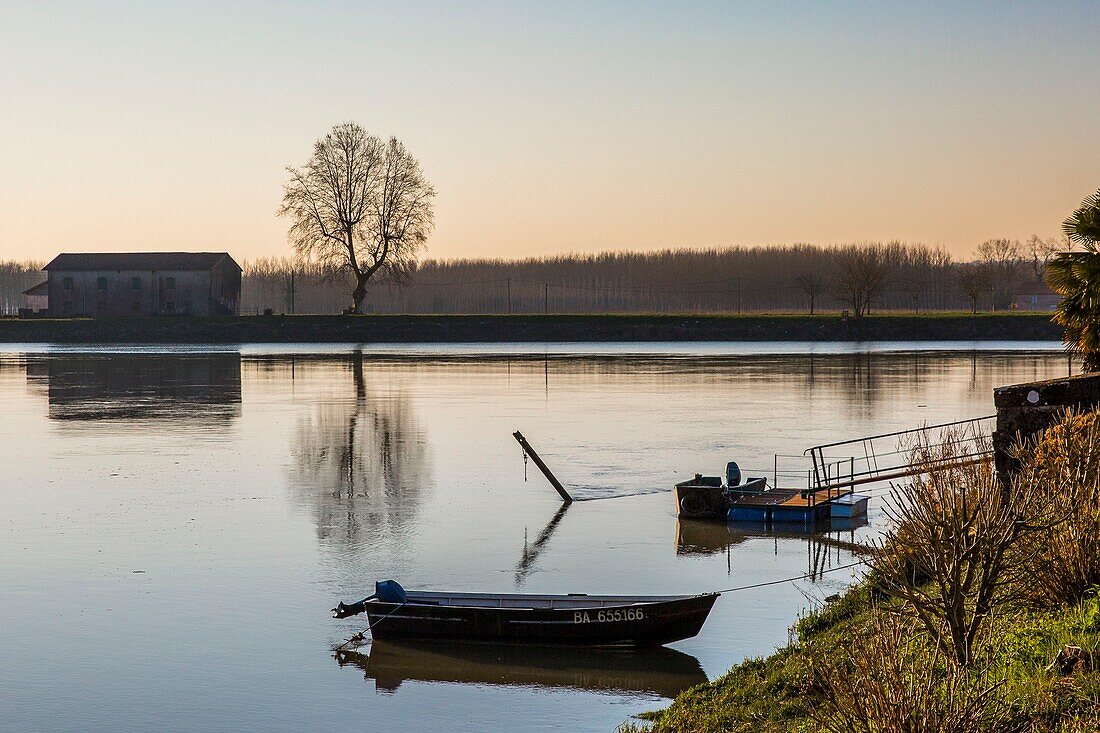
{"type": "Point", "coordinates": [144, 284]}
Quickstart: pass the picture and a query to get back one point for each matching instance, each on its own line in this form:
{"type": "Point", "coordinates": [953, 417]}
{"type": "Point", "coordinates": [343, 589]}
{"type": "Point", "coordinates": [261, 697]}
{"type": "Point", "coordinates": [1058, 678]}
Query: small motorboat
{"type": "Point", "coordinates": [707, 497]}
{"type": "Point", "coordinates": [576, 618]}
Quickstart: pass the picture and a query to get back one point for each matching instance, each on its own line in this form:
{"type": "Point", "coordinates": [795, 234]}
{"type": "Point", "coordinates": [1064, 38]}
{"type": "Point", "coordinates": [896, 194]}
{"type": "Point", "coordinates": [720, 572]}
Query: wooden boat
{"type": "Point", "coordinates": [577, 619]}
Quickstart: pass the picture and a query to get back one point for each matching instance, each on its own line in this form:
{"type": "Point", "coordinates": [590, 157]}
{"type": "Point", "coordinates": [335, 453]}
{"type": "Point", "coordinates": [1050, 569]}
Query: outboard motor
{"type": "Point", "coordinates": [386, 591]}
{"type": "Point", "coordinates": [390, 591]}
{"type": "Point", "coordinates": [733, 475]}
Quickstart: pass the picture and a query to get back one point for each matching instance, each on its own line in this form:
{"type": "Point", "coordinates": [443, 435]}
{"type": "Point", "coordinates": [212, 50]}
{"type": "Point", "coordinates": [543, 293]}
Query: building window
{"type": "Point", "coordinates": [67, 283]}
{"type": "Point", "coordinates": [170, 306]}
{"type": "Point", "coordinates": [170, 283]}
{"type": "Point", "coordinates": [135, 283]}
{"type": "Point", "coordinates": [101, 283]}
{"type": "Point", "coordinates": [67, 307]}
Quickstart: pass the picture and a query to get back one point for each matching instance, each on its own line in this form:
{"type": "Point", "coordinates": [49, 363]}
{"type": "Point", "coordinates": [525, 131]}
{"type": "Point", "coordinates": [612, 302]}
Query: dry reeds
{"type": "Point", "coordinates": [891, 678]}
{"type": "Point", "coordinates": [1064, 552]}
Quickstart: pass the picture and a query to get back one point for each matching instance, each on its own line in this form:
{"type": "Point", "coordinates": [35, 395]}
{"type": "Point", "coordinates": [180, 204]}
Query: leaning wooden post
{"type": "Point", "coordinates": [542, 467]}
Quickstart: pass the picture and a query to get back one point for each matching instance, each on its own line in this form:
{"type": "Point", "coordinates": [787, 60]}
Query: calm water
{"type": "Point", "coordinates": [177, 524]}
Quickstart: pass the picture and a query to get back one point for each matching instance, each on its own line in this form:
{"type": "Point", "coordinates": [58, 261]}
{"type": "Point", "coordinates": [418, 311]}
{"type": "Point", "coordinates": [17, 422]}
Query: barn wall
{"type": "Point", "coordinates": [152, 296]}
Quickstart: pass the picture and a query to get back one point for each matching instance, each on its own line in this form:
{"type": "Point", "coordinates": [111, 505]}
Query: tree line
{"type": "Point", "coordinates": [801, 278]}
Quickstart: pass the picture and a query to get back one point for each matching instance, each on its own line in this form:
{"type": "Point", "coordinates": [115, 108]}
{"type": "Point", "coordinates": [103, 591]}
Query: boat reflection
{"type": "Point", "coordinates": [661, 671]}
{"type": "Point", "coordinates": [708, 537]}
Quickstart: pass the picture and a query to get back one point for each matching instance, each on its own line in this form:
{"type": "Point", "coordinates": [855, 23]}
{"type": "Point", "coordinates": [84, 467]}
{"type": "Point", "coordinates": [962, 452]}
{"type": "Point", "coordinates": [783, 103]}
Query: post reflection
{"type": "Point", "coordinates": [361, 465]}
{"type": "Point", "coordinates": [660, 671]}
{"type": "Point", "coordinates": [532, 551]}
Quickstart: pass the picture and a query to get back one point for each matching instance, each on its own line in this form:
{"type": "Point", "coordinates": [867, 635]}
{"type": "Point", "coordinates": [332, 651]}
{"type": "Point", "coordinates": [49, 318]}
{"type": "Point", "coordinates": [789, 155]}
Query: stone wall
{"type": "Point", "coordinates": [1026, 409]}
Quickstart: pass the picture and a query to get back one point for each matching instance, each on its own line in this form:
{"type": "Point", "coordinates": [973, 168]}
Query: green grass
{"type": "Point", "coordinates": [776, 693]}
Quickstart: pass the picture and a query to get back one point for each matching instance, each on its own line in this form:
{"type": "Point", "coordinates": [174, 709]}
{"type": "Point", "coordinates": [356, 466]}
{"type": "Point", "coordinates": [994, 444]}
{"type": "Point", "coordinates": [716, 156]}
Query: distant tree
{"type": "Point", "coordinates": [1076, 277]}
{"type": "Point", "coordinates": [863, 272]}
{"type": "Point", "coordinates": [15, 277]}
{"type": "Point", "coordinates": [813, 285]}
{"type": "Point", "coordinates": [359, 205]}
{"type": "Point", "coordinates": [974, 282]}
{"type": "Point", "coordinates": [942, 267]}
{"type": "Point", "coordinates": [1040, 251]}
{"type": "Point", "coordinates": [1002, 258]}
{"type": "Point", "coordinates": [917, 266]}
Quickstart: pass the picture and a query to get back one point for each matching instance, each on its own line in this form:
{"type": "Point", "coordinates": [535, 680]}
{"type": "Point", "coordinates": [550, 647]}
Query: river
{"type": "Point", "coordinates": [177, 523]}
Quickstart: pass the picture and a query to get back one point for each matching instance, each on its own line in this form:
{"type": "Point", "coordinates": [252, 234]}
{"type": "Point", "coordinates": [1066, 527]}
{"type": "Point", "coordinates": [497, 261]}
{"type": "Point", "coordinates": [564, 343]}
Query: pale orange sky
{"type": "Point", "coordinates": [571, 127]}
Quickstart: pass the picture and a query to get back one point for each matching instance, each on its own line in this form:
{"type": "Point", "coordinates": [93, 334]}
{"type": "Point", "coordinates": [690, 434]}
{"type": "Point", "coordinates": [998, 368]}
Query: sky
{"type": "Point", "coordinates": [552, 127]}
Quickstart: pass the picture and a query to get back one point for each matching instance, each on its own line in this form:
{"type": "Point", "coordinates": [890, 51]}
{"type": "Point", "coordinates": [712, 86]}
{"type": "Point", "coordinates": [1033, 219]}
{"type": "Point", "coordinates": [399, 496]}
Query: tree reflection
{"type": "Point", "coordinates": [361, 465]}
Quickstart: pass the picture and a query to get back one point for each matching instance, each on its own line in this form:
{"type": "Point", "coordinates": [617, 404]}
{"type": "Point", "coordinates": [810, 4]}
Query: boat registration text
{"type": "Point", "coordinates": [629, 614]}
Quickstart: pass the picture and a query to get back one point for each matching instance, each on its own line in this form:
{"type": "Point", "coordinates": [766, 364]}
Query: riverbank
{"type": "Point", "coordinates": [529, 328]}
{"type": "Point", "coordinates": [784, 692]}
{"type": "Point", "coordinates": [980, 609]}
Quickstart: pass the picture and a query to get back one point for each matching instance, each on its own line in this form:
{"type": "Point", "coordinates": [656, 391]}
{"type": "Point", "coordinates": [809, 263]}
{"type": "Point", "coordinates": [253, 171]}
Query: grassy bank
{"type": "Point", "coordinates": [530, 328]}
{"type": "Point", "coordinates": [981, 610]}
{"type": "Point", "coordinates": [780, 692]}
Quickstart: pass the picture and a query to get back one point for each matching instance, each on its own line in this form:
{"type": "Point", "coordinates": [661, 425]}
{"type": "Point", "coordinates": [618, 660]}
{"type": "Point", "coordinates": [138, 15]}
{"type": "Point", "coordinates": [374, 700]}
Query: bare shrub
{"type": "Point", "coordinates": [948, 553]}
{"type": "Point", "coordinates": [892, 679]}
{"type": "Point", "coordinates": [1064, 552]}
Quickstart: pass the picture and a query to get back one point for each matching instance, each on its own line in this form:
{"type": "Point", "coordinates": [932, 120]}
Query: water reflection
{"type": "Point", "coordinates": [361, 464]}
{"type": "Point", "coordinates": [112, 386]}
{"type": "Point", "coordinates": [531, 551]}
{"type": "Point", "coordinates": [825, 541]}
{"type": "Point", "coordinates": [661, 671]}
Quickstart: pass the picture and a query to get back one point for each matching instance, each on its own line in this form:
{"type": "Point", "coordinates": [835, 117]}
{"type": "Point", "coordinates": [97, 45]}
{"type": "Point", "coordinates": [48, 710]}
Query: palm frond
{"type": "Point", "coordinates": [1076, 277]}
{"type": "Point", "coordinates": [1083, 225]}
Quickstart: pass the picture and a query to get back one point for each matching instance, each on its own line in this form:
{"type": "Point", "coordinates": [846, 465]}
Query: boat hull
{"type": "Point", "coordinates": [712, 501]}
{"type": "Point", "coordinates": [649, 623]}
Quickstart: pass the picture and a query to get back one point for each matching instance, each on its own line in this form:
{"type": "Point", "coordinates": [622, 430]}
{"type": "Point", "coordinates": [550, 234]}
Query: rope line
{"type": "Point", "coordinates": [804, 576]}
{"type": "Point", "coordinates": [361, 635]}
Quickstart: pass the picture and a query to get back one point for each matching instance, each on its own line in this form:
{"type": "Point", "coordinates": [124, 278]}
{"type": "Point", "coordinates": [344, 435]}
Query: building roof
{"type": "Point", "coordinates": [1037, 287]}
{"type": "Point", "coordinates": [42, 288]}
{"type": "Point", "coordinates": [143, 261]}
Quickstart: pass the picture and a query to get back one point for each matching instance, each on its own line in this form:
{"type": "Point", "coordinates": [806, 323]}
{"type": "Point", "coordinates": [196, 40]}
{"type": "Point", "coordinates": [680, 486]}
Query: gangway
{"type": "Point", "coordinates": [838, 467]}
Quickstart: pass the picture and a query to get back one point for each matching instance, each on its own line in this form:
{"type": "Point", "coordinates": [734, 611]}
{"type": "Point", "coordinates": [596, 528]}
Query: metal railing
{"type": "Point", "coordinates": [886, 456]}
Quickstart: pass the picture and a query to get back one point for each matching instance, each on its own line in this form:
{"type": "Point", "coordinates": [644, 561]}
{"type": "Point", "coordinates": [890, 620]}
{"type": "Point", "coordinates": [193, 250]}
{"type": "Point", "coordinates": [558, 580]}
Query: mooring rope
{"type": "Point", "coordinates": [360, 635]}
{"type": "Point", "coordinates": [804, 576]}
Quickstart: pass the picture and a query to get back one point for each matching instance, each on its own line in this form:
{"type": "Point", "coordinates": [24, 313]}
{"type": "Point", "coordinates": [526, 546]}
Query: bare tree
{"type": "Point", "coordinates": [1002, 258]}
{"type": "Point", "coordinates": [1041, 251]}
{"type": "Point", "coordinates": [863, 272]}
{"type": "Point", "coordinates": [359, 205]}
{"type": "Point", "coordinates": [813, 285]}
{"type": "Point", "coordinates": [974, 281]}
{"type": "Point", "coordinates": [915, 265]}
{"type": "Point", "coordinates": [942, 266]}
{"type": "Point", "coordinates": [15, 277]}
{"type": "Point", "coordinates": [948, 555]}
